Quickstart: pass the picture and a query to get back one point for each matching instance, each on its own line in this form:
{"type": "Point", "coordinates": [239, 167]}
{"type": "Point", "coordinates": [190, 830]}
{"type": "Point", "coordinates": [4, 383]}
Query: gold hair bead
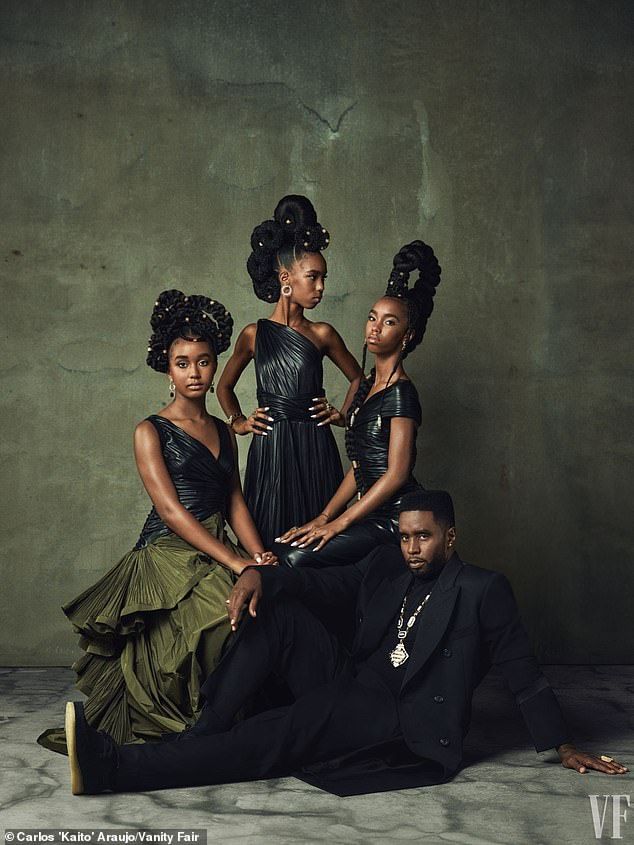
{"type": "Point", "coordinates": [187, 319]}
{"type": "Point", "coordinates": [305, 243]}
{"type": "Point", "coordinates": [327, 240]}
{"type": "Point", "coordinates": [165, 351]}
{"type": "Point", "coordinates": [186, 299]}
{"type": "Point", "coordinates": [149, 349]}
{"type": "Point", "coordinates": [288, 221]}
{"type": "Point", "coordinates": [156, 303]}
{"type": "Point", "coordinates": [260, 243]}
{"type": "Point", "coordinates": [323, 231]}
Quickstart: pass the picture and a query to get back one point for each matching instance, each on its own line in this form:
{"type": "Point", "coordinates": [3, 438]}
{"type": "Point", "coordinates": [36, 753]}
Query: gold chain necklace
{"type": "Point", "coordinates": [399, 654]}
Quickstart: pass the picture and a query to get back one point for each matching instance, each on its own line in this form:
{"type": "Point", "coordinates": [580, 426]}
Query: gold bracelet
{"type": "Point", "coordinates": [233, 417]}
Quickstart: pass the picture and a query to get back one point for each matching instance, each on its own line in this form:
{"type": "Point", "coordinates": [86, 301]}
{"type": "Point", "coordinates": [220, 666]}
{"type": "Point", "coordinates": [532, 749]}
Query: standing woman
{"type": "Point", "coordinates": [381, 427]}
{"type": "Point", "coordinates": [293, 466]}
{"type": "Point", "coordinates": [154, 626]}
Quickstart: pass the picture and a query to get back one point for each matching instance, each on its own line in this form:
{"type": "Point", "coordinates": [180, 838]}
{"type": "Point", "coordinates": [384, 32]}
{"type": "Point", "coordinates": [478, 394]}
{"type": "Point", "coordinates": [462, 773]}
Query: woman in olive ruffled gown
{"type": "Point", "coordinates": [154, 626]}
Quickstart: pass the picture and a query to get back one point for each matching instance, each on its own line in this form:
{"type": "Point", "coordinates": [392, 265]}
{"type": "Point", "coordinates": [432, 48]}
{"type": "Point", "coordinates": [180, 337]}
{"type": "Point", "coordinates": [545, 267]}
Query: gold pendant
{"type": "Point", "coordinates": [398, 656]}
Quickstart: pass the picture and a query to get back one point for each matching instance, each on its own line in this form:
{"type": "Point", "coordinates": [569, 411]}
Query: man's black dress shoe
{"type": "Point", "coordinates": [91, 754]}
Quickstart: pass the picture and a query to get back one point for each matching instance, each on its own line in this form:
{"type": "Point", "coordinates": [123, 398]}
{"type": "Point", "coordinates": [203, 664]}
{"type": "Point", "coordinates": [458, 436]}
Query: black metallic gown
{"type": "Point", "coordinates": [153, 627]}
{"type": "Point", "coordinates": [292, 473]}
{"type": "Point", "coordinates": [370, 443]}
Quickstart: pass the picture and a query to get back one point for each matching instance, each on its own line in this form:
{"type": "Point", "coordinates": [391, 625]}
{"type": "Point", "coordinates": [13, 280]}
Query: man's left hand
{"type": "Point", "coordinates": [581, 761]}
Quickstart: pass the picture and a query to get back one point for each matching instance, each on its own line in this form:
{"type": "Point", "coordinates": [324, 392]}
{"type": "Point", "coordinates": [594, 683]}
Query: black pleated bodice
{"type": "Point", "coordinates": [202, 481]}
{"type": "Point", "coordinates": [370, 440]}
{"type": "Point", "coordinates": [288, 371]}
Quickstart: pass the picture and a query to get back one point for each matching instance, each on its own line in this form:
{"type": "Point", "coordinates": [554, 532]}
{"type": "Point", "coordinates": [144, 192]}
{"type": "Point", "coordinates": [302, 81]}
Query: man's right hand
{"type": "Point", "coordinates": [246, 591]}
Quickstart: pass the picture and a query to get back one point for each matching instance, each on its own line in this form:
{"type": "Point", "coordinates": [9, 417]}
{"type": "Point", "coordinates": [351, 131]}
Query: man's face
{"type": "Point", "coordinates": [426, 544]}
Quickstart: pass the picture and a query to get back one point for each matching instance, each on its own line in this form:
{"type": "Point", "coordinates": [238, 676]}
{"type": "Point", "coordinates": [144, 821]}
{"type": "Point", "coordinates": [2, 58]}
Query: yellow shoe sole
{"type": "Point", "coordinates": [76, 780]}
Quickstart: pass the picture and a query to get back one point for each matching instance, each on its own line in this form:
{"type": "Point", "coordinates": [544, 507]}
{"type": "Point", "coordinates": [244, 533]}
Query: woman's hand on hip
{"type": "Point", "coordinates": [326, 413]}
{"type": "Point", "coordinates": [256, 423]}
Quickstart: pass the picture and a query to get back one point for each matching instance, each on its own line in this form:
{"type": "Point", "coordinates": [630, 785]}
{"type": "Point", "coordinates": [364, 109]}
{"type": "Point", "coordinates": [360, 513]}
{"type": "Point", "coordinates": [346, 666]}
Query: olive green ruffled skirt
{"type": "Point", "coordinates": [152, 629]}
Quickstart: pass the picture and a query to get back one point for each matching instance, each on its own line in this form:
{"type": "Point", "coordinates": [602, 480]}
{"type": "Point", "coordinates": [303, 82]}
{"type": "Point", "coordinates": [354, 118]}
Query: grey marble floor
{"type": "Point", "coordinates": [506, 794]}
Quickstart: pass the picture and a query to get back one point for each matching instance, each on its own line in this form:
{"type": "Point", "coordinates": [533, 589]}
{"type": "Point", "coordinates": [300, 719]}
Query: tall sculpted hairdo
{"type": "Point", "coordinates": [293, 231]}
{"type": "Point", "coordinates": [192, 317]}
{"type": "Point", "coordinates": [419, 298]}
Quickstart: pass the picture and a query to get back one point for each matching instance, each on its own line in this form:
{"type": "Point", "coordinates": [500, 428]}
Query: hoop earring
{"type": "Point", "coordinates": [172, 389]}
{"type": "Point", "coordinates": [287, 290]}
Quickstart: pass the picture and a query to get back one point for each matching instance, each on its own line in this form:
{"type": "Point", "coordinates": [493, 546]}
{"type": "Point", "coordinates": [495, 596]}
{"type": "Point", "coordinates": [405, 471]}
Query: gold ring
{"type": "Point", "coordinates": [606, 759]}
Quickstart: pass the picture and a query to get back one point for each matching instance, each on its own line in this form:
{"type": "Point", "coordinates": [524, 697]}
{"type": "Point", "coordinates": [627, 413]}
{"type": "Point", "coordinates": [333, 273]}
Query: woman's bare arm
{"type": "Point", "coordinates": [243, 352]}
{"type": "Point", "coordinates": [333, 347]}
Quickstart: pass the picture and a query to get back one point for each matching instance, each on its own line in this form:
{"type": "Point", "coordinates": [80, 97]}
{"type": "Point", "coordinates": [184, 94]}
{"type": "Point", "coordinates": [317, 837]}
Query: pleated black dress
{"type": "Point", "coordinates": [154, 626]}
{"type": "Point", "coordinates": [292, 473]}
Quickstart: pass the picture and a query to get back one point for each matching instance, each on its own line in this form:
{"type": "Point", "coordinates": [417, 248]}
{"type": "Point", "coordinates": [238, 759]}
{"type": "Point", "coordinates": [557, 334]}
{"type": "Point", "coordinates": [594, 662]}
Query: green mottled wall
{"type": "Point", "coordinates": [139, 144]}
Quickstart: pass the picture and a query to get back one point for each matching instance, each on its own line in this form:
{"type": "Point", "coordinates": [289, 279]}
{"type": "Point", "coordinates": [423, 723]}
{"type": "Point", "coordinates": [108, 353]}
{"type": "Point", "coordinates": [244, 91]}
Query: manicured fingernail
{"type": "Point", "coordinates": [313, 416]}
{"type": "Point", "coordinates": [277, 540]}
{"type": "Point", "coordinates": [268, 409]}
{"type": "Point", "coordinates": [294, 544]}
{"type": "Point", "coordinates": [270, 419]}
{"type": "Point", "coordinates": [312, 408]}
{"type": "Point", "coordinates": [317, 398]}
{"type": "Point", "coordinates": [321, 423]}
{"type": "Point", "coordinates": [270, 427]}
{"type": "Point", "coordinates": [301, 545]}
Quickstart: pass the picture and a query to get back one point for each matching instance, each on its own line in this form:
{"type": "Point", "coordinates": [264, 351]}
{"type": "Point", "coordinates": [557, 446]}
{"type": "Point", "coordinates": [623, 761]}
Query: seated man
{"type": "Point", "coordinates": [391, 715]}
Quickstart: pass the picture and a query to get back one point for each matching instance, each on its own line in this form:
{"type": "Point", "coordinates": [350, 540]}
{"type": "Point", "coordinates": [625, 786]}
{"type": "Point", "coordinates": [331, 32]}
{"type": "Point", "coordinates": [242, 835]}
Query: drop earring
{"type": "Point", "coordinates": [212, 389]}
{"type": "Point", "coordinates": [172, 389]}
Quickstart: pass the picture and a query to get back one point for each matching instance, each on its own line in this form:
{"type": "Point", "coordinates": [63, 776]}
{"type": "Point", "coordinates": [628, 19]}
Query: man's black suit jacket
{"type": "Point", "coordinates": [470, 623]}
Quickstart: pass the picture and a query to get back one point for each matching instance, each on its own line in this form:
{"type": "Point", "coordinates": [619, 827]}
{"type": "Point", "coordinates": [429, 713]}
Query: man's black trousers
{"type": "Point", "coordinates": [334, 713]}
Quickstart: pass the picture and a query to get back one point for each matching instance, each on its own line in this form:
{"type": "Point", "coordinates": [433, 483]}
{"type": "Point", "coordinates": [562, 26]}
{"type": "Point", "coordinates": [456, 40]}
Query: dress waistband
{"type": "Point", "coordinates": [288, 407]}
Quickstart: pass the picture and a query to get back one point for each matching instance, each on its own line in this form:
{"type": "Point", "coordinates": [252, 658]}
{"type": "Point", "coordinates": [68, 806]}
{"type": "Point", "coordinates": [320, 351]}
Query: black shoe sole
{"type": "Point", "coordinates": [76, 779]}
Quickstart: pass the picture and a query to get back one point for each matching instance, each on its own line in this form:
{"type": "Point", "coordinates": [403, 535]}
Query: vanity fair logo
{"type": "Point", "coordinates": [601, 817]}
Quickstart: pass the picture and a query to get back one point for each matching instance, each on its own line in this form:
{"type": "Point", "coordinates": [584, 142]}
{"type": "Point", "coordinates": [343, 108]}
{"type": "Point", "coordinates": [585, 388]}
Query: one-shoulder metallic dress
{"type": "Point", "coordinates": [293, 472]}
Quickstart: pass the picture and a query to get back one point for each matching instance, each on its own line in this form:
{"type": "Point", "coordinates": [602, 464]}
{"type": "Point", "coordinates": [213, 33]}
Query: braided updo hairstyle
{"type": "Point", "coordinates": [419, 299]}
{"type": "Point", "coordinates": [193, 317]}
{"type": "Point", "coordinates": [279, 242]}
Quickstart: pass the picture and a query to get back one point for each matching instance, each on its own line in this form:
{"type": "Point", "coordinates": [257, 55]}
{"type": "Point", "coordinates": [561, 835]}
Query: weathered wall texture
{"type": "Point", "coordinates": [139, 144]}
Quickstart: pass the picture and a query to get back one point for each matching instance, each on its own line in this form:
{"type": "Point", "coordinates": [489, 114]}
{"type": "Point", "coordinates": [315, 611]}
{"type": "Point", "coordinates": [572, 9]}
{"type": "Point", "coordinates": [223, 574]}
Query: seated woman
{"type": "Point", "coordinates": [154, 626]}
{"type": "Point", "coordinates": [381, 427]}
